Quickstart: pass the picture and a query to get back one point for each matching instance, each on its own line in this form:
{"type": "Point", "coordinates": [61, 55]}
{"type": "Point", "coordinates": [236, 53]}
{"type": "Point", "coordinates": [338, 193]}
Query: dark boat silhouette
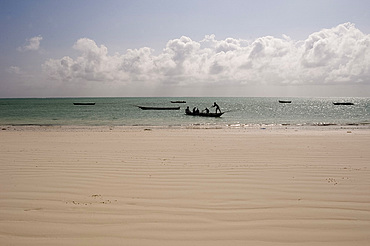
{"type": "Point", "coordinates": [83, 103]}
{"type": "Point", "coordinates": [343, 103]}
{"type": "Point", "coordinates": [158, 108]}
{"type": "Point", "coordinates": [204, 114]}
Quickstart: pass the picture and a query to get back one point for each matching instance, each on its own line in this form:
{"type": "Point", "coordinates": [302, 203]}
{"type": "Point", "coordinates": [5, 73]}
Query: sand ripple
{"type": "Point", "coordinates": [184, 187]}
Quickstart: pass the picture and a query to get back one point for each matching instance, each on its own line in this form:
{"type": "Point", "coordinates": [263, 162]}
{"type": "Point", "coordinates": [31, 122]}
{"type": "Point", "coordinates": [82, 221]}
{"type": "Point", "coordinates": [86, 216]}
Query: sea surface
{"type": "Point", "coordinates": [239, 112]}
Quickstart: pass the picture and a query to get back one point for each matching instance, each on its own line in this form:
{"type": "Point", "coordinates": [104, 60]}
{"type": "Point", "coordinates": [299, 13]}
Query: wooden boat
{"type": "Point", "coordinates": [84, 103]}
{"type": "Point", "coordinates": [204, 114]}
{"type": "Point", "coordinates": [178, 101]}
{"type": "Point", "coordinates": [284, 101]}
{"type": "Point", "coordinates": [159, 108]}
{"type": "Point", "coordinates": [343, 103]}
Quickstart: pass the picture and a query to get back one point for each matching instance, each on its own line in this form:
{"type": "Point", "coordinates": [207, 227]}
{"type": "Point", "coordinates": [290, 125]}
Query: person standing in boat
{"type": "Point", "coordinates": [217, 107]}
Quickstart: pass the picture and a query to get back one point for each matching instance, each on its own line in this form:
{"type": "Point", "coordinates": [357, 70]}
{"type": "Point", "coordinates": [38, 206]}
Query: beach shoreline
{"type": "Point", "coordinates": [235, 127]}
{"type": "Point", "coordinates": [82, 185]}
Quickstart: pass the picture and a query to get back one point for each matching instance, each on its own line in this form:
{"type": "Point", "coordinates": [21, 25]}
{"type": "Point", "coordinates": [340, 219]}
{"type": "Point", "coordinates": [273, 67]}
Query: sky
{"type": "Point", "coordinates": [124, 48]}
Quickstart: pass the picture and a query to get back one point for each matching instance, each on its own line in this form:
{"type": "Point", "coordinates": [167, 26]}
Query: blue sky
{"type": "Point", "coordinates": [184, 48]}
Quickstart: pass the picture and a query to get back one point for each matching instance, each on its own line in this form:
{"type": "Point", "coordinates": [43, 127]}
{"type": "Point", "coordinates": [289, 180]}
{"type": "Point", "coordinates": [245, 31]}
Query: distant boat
{"type": "Point", "coordinates": [284, 101]}
{"type": "Point", "coordinates": [159, 108]}
{"type": "Point", "coordinates": [84, 103]}
{"type": "Point", "coordinates": [204, 114]}
{"type": "Point", "coordinates": [343, 103]}
{"type": "Point", "coordinates": [178, 101]}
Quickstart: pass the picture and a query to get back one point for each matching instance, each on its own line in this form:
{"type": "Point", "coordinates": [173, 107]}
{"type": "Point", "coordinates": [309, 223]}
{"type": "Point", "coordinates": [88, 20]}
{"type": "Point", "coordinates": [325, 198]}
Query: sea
{"type": "Point", "coordinates": [239, 112]}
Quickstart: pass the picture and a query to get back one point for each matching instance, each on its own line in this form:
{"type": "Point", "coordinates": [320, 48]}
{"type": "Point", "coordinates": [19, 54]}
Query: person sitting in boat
{"type": "Point", "coordinates": [187, 110]}
{"type": "Point", "coordinates": [194, 110]}
{"type": "Point", "coordinates": [217, 107]}
{"type": "Point", "coordinates": [206, 110]}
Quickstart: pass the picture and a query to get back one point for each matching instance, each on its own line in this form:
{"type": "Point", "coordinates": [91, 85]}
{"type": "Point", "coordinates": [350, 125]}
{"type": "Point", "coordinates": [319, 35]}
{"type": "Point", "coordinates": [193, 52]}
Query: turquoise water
{"type": "Point", "coordinates": [239, 111]}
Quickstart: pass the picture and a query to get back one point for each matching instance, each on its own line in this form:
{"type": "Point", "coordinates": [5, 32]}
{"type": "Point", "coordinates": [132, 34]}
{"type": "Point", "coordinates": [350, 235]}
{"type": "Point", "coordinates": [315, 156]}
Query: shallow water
{"type": "Point", "coordinates": [238, 111]}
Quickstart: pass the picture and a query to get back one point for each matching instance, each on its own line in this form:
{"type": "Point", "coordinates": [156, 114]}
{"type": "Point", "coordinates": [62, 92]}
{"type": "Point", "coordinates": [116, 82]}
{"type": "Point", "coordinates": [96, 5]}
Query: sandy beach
{"type": "Point", "coordinates": [148, 186]}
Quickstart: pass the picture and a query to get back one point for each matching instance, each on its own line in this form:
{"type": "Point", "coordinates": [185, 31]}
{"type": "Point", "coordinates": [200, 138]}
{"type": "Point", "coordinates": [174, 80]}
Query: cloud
{"type": "Point", "coordinates": [14, 70]}
{"type": "Point", "coordinates": [32, 44]}
{"type": "Point", "coordinates": [93, 64]}
{"type": "Point", "coordinates": [340, 55]}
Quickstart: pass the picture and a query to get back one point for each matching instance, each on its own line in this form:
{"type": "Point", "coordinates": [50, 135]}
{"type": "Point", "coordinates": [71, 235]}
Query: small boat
{"type": "Point", "coordinates": [204, 114]}
{"type": "Point", "coordinates": [343, 103]}
{"type": "Point", "coordinates": [178, 101]}
{"type": "Point", "coordinates": [159, 108]}
{"type": "Point", "coordinates": [84, 103]}
{"type": "Point", "coordinates": [284, 101]}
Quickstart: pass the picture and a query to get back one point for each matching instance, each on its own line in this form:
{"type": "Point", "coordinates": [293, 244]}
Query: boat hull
{"type": "Point", "coordinates": [343, 103]}
{"type": "Point", "coordinates": [205, 114]}
{"type": "Point", "coordinates": [84, 103]}
{"type": "Point", "coordinates": [158, 108]}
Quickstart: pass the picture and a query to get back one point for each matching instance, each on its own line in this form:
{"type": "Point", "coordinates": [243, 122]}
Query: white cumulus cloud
{"type": "Point", "coordinates": [340, 55]}
{"type": "Point", "coordinates": [31, 44]}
